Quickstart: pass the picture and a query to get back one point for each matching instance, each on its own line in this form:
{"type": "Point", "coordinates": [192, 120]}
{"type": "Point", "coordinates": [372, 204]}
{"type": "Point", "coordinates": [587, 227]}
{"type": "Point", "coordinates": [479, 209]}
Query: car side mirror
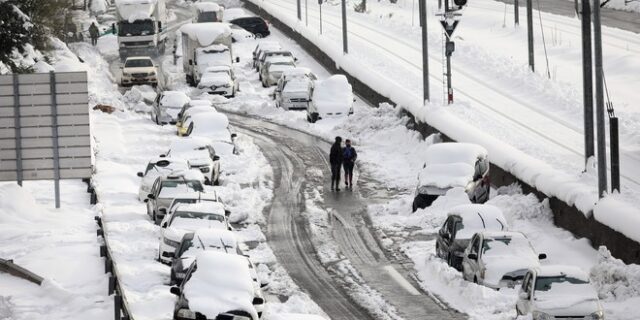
{"type": "Point", "coordinates": [175, 291]}
{"type": "Point", "coordinates": [216, 158]}
{"type": "Point", "coordinates": [140, 174]}
{"type": "Point", "coordinates": [523, 296]}
{"type": "Point", "coordinates": [151, 196]}
{"type": "Point", "coordinates": [233, 136]}
{"type": "Point", "coordinates": [542, 256]}
{"type": "Point", "coordinates": [227, 213]}
{"type": "Point", "coordinates": [237, 59]}
{"type": "Point", "coordinates": [163, 156]}
{"type": "Point", "coordinates": [472, 256]}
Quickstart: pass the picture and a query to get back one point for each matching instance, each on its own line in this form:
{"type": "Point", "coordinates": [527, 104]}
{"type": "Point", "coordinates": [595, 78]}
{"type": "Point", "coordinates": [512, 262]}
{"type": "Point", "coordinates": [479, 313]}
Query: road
{"type": "Point", "coordinates": [292, 154]}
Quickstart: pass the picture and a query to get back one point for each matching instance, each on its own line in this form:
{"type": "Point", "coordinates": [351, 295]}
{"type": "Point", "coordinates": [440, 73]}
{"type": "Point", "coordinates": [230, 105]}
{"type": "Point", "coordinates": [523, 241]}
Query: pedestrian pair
{"type": "Point", "coordinates": [339, 158]}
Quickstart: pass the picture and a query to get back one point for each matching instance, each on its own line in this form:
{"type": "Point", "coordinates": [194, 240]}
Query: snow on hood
{"type": "Point", "coordinates": [510, 254]}
{"type": "Point", "coordinates": [132, 10]}
{"type": "Point", "coordinates": [214, 79]}
{"type": "Point", "coordinates": [333, 94]}
{"type": "Point", "coordinates": [174, 99]}
{"type": "Point", "coordinates": [212, 125]}
{"type": "Point", "coordinates": [298, 84]}
{"type": "Point", "coordinates": [221, 283]}
{"type": "Point", "coordinates": [223, 148]}
{"type": "Point", "coordinates": [207, 7]}
{"type": "Point", "coordinates": [446, 176]}
{"type": "Point", "coordinates": [567, 298]}
{"type": "Point", "coordinates": [206, 33]}
{"type": "Point", "coordinates": [280, 67]}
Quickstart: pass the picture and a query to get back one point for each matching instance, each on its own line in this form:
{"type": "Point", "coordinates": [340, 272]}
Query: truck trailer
{"type": "Point", "coordinates": [140, 27]}
{"type": "Point", "coordinates": [205, 45]}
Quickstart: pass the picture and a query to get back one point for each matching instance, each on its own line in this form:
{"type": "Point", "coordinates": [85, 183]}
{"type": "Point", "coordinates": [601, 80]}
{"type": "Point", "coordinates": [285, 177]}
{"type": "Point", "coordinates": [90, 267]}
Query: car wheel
{"type": "Point", "coordinates": [414, 206]}
{"type": "Point", "coordinates": [157, 120]}
{"type": "Point", "coordinates": [475, 280]}
{"type": "Point", "coordinates": [314, 117]}
{"type": "Point", "coordinates": [259, 36]}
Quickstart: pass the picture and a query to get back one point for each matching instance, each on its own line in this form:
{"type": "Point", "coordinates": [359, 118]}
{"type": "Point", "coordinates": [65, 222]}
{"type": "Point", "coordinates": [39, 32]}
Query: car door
{"type": "Point", "coordinates": [471, 267]}
{"type": "Point", "coordinates": [526, 290]}
{"type": "Point", "coordinates": [149, 201]}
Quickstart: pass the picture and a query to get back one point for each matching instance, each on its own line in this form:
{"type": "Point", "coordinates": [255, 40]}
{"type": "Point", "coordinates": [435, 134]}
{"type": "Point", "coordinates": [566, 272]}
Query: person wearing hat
{"type": "Point", "coordinates": [335, 159]}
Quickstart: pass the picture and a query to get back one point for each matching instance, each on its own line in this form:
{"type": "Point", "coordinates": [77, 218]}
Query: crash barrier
{"type": "Point", "coordinates": [121, 308]}
{"type": "Point", "coordinates": [564, 215]}
{"type": "Point", "coordinates": [7, 266]}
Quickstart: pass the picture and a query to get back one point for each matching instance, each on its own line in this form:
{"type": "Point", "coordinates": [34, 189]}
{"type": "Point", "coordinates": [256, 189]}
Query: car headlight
{"type": "Point", "coordinates": [170, 242]}
{"type": "Point", "coordinates": [126, 74]}
{"type": "Point", "coordinates": [186, 313]}
{"type": "Point", "coordinates": [537, 315]}
{"type": "Point", "coordinates": [598, 315]}
{"type": "Point", "coordinates": [153, 73]}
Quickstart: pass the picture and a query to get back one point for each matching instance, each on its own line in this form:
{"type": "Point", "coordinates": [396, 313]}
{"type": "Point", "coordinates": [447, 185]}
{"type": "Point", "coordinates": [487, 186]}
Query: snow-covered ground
{"type": "Point", "coordinates": [531, 124]}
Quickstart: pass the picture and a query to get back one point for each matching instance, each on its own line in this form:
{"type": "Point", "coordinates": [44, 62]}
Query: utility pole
{"type": "Point", "coordinates": [587, 81]}
{"type": "Point", "coordinates": [516, 12]}
{"type": "Point", "coordinates": [530, 33]}
{"type": "Point", "coordinates": [425, 51]}
{"type": "Point", "coordinates": [602, 156]}
{"type": "Point", "coordinates": [320, 5]}
{"type": "Point", "coordinates": [345, 45]}
{"type": "Point", "coordinates": [299, 10]}
{"type": "Point", "coordinates": [306, 13]}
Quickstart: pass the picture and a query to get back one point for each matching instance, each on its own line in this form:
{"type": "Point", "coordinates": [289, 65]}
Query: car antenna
{"type": "Point", "coordinates": [481, 218]}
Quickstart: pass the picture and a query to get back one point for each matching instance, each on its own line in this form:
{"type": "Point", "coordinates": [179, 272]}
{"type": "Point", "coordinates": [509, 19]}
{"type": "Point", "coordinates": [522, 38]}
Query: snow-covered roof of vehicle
{"type": "Point", "coordinates": [174, 98]}
{"type": "Point", "coordinates": [478, 217]}
{"type": "Point", "coordinates": [450, 164]}
{"type": "Point", "coordinates": [297, 72]}
{"type": "Point", "coordinates": [206, 33]}
{"type": "Point", "coordinates": [200, 102]}
{"type": "Point", "coordinates": [199, 109]}
{"type": "Point", "coordinates": [188, 144]}
{"type": "Point", "coordinates": [212, 125]}
{"type": "Point", "coordinates": [560, 270]}
{"type": "Point", "coordinates": [217, 68]}
{"type": "Point", "coordinates": [216, 237]}
{"type": "Point", "coordinates": [280, 67]}
{"type": "Point", "coordinates": [297, 85]}
{"type": "Point", "coordinates": [279, 59]}
{"type": "Point", "coordinates": [506, 253]}
{"type": "Point", "coordinates": [132, 10]}
{"type": "Point", "coordinates": [204, 207]}
{"type": "Point", "coordinates": [209, 195]}
{"type": "Point", "coordinates": [191, 174]}
{"type": "Point", "coordinates": [453, 152]}
{"type": "Point", "coordinates": [207, 6]}
{"type": "Point", "coordinates": [234, 13]}
{"type": "Point", "coordinates": [221, 283]}
{"type": "Point", "coordinates": [335, 89]}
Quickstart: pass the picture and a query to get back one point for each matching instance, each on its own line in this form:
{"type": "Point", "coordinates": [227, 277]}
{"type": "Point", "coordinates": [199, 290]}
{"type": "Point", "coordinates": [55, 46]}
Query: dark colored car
{"type": "Point", "coordinates": [255, 25]}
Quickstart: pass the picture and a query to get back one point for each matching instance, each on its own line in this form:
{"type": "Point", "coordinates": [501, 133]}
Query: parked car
{"type": "Point", "coordinates": [294, 88]}
{"type": "Point", "coordinates": [210, 125]}
{"type": "Point", "coordinates": [272, 70]}
{"type": "Point", "coordinates": [193, 197]}
{"type": "Point", "coordinates": [200, 154]}
{"type": "Point", "coordinates": [216, 286]}
{"type": "Point", "coordinates": [167, 106]}
{"type": "Point", "coordinates": [462, 223]}
{"type": "Point", "coordinates": [155, 168]}
{"type": "Point", "coordinates": [255, 25]}
{"type": "Point", "coordinates": [331, 98]}
{"type": "Point", "coordinates": [191, 104]}
{"type": "Point", "coordinates": [194, 242]}
{"type": "Point", "coordinates": [182, 125]}
{"type": "Point", "coordinates": [188, 218]}
{"type": "Point", "coordinates": [139, 70]}
{"type": "Point", "coordinates": [499, 259]}
{"type": "Point", "coordinates": [452, 165]}
{"type": "Point", "coordinates": [219, 80]}
{"type": "Point", "coordinates": [271, 55]}
{"type": "Point", "coordinates": [261, 47]}
{"type": "Point", "coordinates": [558, 292]}
{"type": "Point", "coordinates": [165, 187]}
{"type": "Point", "coordinates": [239, 34]}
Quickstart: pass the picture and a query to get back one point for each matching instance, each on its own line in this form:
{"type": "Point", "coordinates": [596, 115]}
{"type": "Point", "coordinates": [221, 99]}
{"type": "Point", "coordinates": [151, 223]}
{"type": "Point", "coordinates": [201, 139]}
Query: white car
{"type": "Point", "coordinates": [294, 88]}
{"type": "Point", "coordinates": [167, 106]}
{"type": "Point", "coordinates": [499, 259]}
{"type": "Point", "coordinates": [188, 218]}
{"type": "Point", "coordinates": [219, 80]}
{"type": "Point", "coordinates": [217, 286]}
{"type": "Point", "coordinates": [210, 125]}
{"type": "Point", "coordinates": [203, 104]}
{"type": "Point", "coordinates": [453, 165]}
{"type": "Point", "coordinates": [139, 70]}
{"type": "Point", "coordinates": [273, 70]}
{"type": "Point", "coordinates": [332, 98]}
{"type": "Point", "coordinates": [155, 168]}
{"type": "Point", "coordinates": [200, 154]}
{"type": "Point", "coordinates": [261, 48]}
{"type": "Point", "coordinates": [192, 197]}
{"type": "Point", "coordinates": [166, 187]}
{"type": "Point", "coordinates": [558, 292]}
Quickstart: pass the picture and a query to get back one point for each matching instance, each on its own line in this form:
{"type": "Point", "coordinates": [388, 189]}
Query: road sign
{"type": "Point", "coordinates": [449, 28]}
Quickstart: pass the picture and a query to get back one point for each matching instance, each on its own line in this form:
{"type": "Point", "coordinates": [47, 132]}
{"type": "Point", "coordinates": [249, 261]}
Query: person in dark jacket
{"type": "Point", "coordinates": [335, 159]}
{"type": "Point", "coordinates": [349, 156]}
{"type": "Point", "coordinates": [94, 32]}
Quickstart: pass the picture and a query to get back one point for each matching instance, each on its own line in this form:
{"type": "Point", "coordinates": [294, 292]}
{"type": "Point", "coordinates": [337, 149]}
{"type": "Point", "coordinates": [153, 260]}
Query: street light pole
{"type": "Point", "coordinates": [306, 13]}
{"type": "Point", "coordinates": [345, 45]}
{"type": "Point", "coordinates": [299, 10]}
{"type": "Point", "coordinates": [530, 33]}
{"type": "Point", "coordinates": [320, 5]}
{"type": "Point", "coordinates": [587, 81]}
{"type": "Point", "coordinates": [602, 153]}
{"type": "Point", "coordinates": [425, 51]}
{"type": "Point", "coordinates": [516, 12]}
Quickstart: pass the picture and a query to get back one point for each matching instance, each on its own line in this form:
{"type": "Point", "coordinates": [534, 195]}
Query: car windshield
{"type": "Point", "coordinates": [209, 16]}
{"type": "Point", "coordinates": [138, 63]}
{"type": "Point", "coordinates": [198, 215]}
{"type": "Point", "coordinates": [505, 247]}
{"type": "Point", "coordinates": [191, 184]}
{"type": "Point", "coordinates": [136, 28]}
{"type": "Point", "coordinates": [561, 284]}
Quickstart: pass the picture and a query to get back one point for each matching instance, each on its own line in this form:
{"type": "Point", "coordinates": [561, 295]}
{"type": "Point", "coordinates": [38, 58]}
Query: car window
{"type": "Point", "coordinates": [475, 244]}
{"type": "Point", "coordinates": [546, 283]}
{"type": "Point", "coordinates": [197, 215]}
{"type": "Point", "coordinates": [138, 63]}
{"type": "Point", "coordinates": [184, 245]}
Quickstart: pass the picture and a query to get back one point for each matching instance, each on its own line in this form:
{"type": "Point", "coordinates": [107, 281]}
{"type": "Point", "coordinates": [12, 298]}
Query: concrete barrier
{"type": "Point", "coordinates": [564, 215]}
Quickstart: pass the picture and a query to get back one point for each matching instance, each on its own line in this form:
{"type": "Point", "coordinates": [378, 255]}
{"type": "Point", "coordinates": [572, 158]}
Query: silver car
{"type": "Point", "coordinates": [167, 106]}
{"type": "Point", "coordinates": [166, 187]}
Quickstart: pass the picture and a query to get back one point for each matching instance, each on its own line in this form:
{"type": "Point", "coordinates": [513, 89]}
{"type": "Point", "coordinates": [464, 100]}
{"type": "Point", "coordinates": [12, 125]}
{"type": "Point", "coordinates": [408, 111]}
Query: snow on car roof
{"type": "Point", "coordinates": [191, 174]}
{"type": "Point", "coordinates": [209, 195]}
{"type": "Point", "coordinates": [216, 237]}
{"type": "Point", "coordinates": [334, 89]}
{"type": "Point", "coordinates": [211, 125]}
{"type": "Point", "coordinates": [559, 270]}
{"type": "Point", "coordinates": [478, 217]}
{"type": "Point", "coordinates": [207, 6]}
{"type": "Point", "coordinates": [205, 207]}
{"type": "Point", "coordinates": [297, 85]}
{"type": "Point", "coordinates": [217, 69]}
{"type": "Point", "coordinates": [206, 33]}
{"type": "Point", "coordinates": [279, 59]}
{"type": "Point", "coordinates": [132, 10]}
{"type": "Point", "coordinates": [446, 175]}
{"type": "Point", "coordinates": [199, 109]}
{"type": "Point", "coordinates": [234, 13]}
{"type": "Point", "coordinates": [221, 283]}
{"type": "Point", "coordinates": [280, 67]}
{"type": "Point", "coordinates": [453, 152]}
{"type": "Point", "coordinates": [174, 98]}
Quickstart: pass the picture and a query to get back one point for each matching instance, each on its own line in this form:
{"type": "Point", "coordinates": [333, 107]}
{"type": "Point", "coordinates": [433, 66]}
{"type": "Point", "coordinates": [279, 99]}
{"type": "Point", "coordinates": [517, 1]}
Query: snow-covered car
{"type": "Point", "coordinates": [217, 286]}
{"type": "Point", "coordinates": [184, 121]}
{"type": "Point", "coordinates": [167, 106]}
{"type": "Point", "coordinates": [188, 218]}
{"type": "Point", "coordinates": [261, 47]}
{"type": "Point", "coordinates": [331, 98]}
{"type": "Point", "coordinates": [219, 80]}
{"type": "Point", "coordinates": [453, 165]}
{"type": "Point", "coordinates": [272, 70]}
{"type": "Point", "coordinates": [139, 70]}
{"type": "Point", "coordinates": [191, 104]}
{"type": "Point", "coordinates": [462, 223]}
{"type": "Point", "coordinates": [200, 154]}
{"type": "Point", "coordinates": [272, 55]}
{"type": "Point", "coordinates": [210, 125]}
{"type": "Point", "coordinates": [200, 240]}
{"type": "Point", "coordinates": [211, 56]}
{"type": "Point", "coordinates": [499, 259]}
{"type": "Point", "coordinates": [239, 34]}
{"type": "Point", "coordinates": [193, 197]}
{"type": "Point", "coordinates": [155, 168]}
{"type": "Point", "coordinates": [294, 88]}
{"type": "Point", "coordinates": [558, 292]}
{"type": "Point", "coordinates": [166, 187]}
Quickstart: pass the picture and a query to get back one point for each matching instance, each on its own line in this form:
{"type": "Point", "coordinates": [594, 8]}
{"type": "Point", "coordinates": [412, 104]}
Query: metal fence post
{"type": "Point", "coordinates": [117, 306]}
{"type": "Point", "coordinates": [530, 34]}
{"type": "Point", "coordinates": [54, 137]}
{"type": "Point", "coordinates": [601, 135]}
{"type": "Point", "coordinates": [17, 125]}
{"type": "Point", "coordinates": [614, 144]}
{"type": "Point", "coordinates": [587, 81]}
{"type": "Point", "coordinates": [425, 51]}
{"type": "Point", "coordinates": [345, 45]}
{"type": "Point", "coordinates": [516, 13]}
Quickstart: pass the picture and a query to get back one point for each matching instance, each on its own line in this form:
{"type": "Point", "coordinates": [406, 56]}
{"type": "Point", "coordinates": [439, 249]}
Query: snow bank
{"type": "Point", "coordinates": [613, 279]}
{"type": "Point", "coordinates": [206, 33]}
{"type": "Point", "coordinates": [18, 206]}
{"type": "Point", "coordinates": [619, 216]}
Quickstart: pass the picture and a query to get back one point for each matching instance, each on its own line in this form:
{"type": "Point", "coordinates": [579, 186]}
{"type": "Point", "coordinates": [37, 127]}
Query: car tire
{"type": "Point", "coordinates": [314, 117]}
{"type": "Point", "coordinates": [258, 35]}
{"type": "Point", "coordinates": [475, 279]}
{"type": "Point", "coordinates": [414, 206]}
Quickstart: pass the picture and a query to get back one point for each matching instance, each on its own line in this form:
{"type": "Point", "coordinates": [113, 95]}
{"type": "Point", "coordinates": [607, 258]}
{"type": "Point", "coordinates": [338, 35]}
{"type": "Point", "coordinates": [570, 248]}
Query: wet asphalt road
{"type": "Point", "coordinates": [293, 155]}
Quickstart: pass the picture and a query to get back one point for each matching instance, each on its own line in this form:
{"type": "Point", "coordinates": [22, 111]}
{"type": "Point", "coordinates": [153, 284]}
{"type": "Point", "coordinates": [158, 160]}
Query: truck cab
{"type": "Point", "coordinates": [140, 27]}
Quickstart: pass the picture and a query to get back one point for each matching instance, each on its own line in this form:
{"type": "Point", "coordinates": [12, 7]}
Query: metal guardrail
{"type": "Point", "coordinates": [7, 266]}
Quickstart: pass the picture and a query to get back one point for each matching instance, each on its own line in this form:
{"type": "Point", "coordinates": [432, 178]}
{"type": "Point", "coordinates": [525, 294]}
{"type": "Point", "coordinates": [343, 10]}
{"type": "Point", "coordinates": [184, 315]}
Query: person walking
{"type": "Point", "coordinates": [349, 157]}
{"type": "Point", "coordinates": [93, 32]}
{"type": "Point", "coordinates": [335, 159]}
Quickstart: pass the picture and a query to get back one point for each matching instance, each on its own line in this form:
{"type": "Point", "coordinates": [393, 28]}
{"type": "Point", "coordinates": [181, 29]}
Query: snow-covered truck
{"type": "Point", "coordinates": [140, 27]}
{"type": "Point", "coordinates": [207, 12]}
{"type": "Point", "coordinates": [205, 45]}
